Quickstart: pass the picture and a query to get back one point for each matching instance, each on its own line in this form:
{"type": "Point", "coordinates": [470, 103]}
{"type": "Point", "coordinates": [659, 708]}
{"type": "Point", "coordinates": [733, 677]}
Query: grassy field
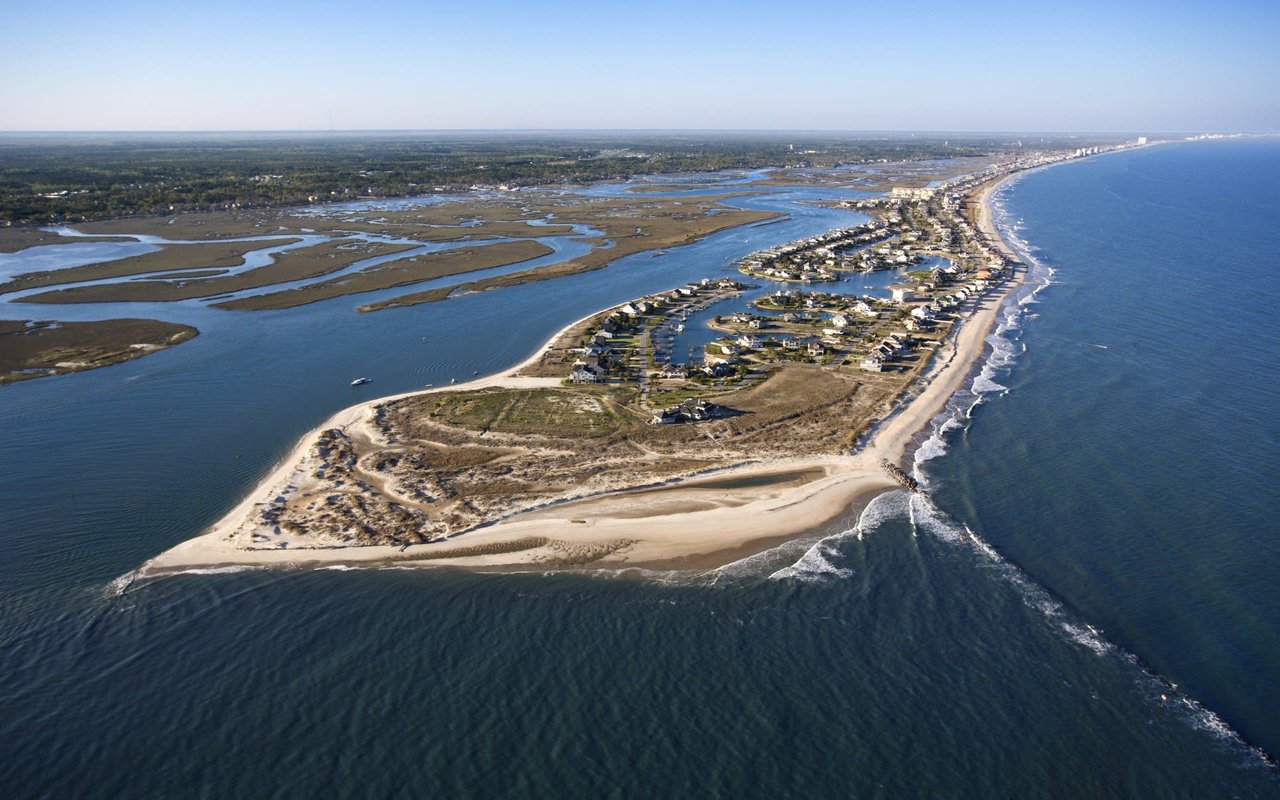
{"type": "Point", "coordinates": [550, 412]}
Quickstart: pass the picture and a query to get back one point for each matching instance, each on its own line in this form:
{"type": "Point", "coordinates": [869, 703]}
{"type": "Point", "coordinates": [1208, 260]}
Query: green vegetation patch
{"type": "Point", "coordinates": [37, 349]}
{"type": "Point", "coordinates": [549, 412]}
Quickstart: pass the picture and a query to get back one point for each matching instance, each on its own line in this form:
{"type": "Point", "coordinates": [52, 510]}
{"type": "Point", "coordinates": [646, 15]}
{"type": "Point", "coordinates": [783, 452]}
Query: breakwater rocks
{"type": "Point", "coordinates": [900, 476]}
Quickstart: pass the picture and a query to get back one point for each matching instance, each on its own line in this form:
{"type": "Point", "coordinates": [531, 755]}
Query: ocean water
{"type": "Point", "coordinates": [1101, 528]}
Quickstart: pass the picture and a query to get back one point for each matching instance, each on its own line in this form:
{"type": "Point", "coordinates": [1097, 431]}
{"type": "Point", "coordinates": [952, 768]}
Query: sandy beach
{"type": "Point", "coordinates": [696, 523]}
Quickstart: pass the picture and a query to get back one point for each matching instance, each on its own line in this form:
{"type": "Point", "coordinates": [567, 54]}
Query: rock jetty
{"type": "Point", "coordinates": [900, 476]}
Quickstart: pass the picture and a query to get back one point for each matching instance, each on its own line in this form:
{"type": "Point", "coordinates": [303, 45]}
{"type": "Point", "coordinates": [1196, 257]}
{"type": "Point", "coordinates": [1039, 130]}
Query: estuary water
{"type": "Point", "coordinates": [1101, 528]}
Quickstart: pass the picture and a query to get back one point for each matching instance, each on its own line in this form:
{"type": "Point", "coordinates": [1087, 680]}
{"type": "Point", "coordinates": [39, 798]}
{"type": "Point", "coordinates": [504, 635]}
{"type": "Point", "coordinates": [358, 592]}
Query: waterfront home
{"type": "Point", "coordinates": [674, 372]}
{"type": "Point", "coordinates": [791, 344]}
{"type": "Point", "coordinates": [750, 342]}
{"type": "Point", "coordinates": [840, 321]}
{"type": "Point", "coordinates": [902, 294]}
{"type": "Point", "coordinates": [583, 375]}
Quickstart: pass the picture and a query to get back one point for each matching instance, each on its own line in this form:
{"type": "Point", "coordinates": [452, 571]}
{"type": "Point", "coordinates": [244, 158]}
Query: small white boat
{"type": "Point", "coordinates": [360, 381]}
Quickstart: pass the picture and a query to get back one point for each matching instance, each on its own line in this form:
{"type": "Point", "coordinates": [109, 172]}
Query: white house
{"type": "Point", "coordinates": [862, 308]}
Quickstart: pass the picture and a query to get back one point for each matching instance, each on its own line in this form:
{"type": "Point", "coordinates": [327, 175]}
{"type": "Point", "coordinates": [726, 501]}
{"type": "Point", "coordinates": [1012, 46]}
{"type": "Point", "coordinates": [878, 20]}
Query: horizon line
{"type": "Point", "coordinates": [779, 131]}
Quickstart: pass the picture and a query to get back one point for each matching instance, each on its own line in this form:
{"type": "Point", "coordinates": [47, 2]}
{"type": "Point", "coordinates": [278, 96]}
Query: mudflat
{"type": "Point", "coordinates": [654, 229]}
{"type": "Point", "coordinates": [414, 269]}
{"type": "Point", "coordinates": [291, 265]}
{"type": "Point", "coordinates": [170, 258]}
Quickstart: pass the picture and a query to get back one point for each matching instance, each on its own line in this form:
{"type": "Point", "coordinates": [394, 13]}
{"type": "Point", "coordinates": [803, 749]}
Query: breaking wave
{"type": "Point", "coordinates": [816, 564]}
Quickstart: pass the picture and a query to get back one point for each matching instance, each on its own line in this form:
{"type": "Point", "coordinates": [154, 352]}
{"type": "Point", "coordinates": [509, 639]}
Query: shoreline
{"type": "Point", "coordinates": [708, 527]}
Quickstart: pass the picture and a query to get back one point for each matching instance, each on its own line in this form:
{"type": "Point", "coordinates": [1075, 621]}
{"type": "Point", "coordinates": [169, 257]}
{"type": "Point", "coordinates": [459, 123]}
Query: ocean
{"type": "Point", "coordinates": [1100, 533]}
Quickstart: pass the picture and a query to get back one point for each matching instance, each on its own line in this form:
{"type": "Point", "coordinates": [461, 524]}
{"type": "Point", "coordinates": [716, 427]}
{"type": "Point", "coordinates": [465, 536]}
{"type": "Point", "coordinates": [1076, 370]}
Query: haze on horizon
{"type": "Point", "coordinates": [830, 65]}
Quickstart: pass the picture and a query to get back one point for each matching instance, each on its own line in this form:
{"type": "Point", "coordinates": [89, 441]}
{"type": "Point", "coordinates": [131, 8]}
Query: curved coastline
{"type": "Point", "coordinates": [689, 524]}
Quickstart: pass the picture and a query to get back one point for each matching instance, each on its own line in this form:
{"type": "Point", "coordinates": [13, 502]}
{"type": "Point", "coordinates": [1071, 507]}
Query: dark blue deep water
{"type": "Point", "coordinates": [1103, 528]}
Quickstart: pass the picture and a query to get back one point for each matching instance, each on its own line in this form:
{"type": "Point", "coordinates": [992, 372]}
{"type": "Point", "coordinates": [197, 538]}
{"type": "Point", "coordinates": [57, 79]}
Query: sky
{"type": "Point", "coordinates": [480, 64]}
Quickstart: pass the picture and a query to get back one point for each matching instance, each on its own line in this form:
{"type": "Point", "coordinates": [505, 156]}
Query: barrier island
{"type": "Point", "coordinates": [603, 450]}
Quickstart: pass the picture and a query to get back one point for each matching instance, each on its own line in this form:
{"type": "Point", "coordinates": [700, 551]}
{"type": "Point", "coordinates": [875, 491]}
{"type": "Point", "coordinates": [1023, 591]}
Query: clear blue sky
{"type": "Point", "coordinates": [851, 65]}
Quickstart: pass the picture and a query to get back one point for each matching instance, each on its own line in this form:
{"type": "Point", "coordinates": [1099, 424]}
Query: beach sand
{"type": "Point", "coordinates": [692, 524]}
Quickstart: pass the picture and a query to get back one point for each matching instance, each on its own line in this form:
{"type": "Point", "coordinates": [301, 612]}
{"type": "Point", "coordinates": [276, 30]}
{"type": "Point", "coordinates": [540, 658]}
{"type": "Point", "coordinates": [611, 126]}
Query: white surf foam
{"type": "Point", "coordinates": [120, 585]}
{"type": "Point", "coordinates": [927, 517]}
{"type": "Point", "coordinates": [814, 565]}
{"type": "Point", "coordinates": [228, 570]}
